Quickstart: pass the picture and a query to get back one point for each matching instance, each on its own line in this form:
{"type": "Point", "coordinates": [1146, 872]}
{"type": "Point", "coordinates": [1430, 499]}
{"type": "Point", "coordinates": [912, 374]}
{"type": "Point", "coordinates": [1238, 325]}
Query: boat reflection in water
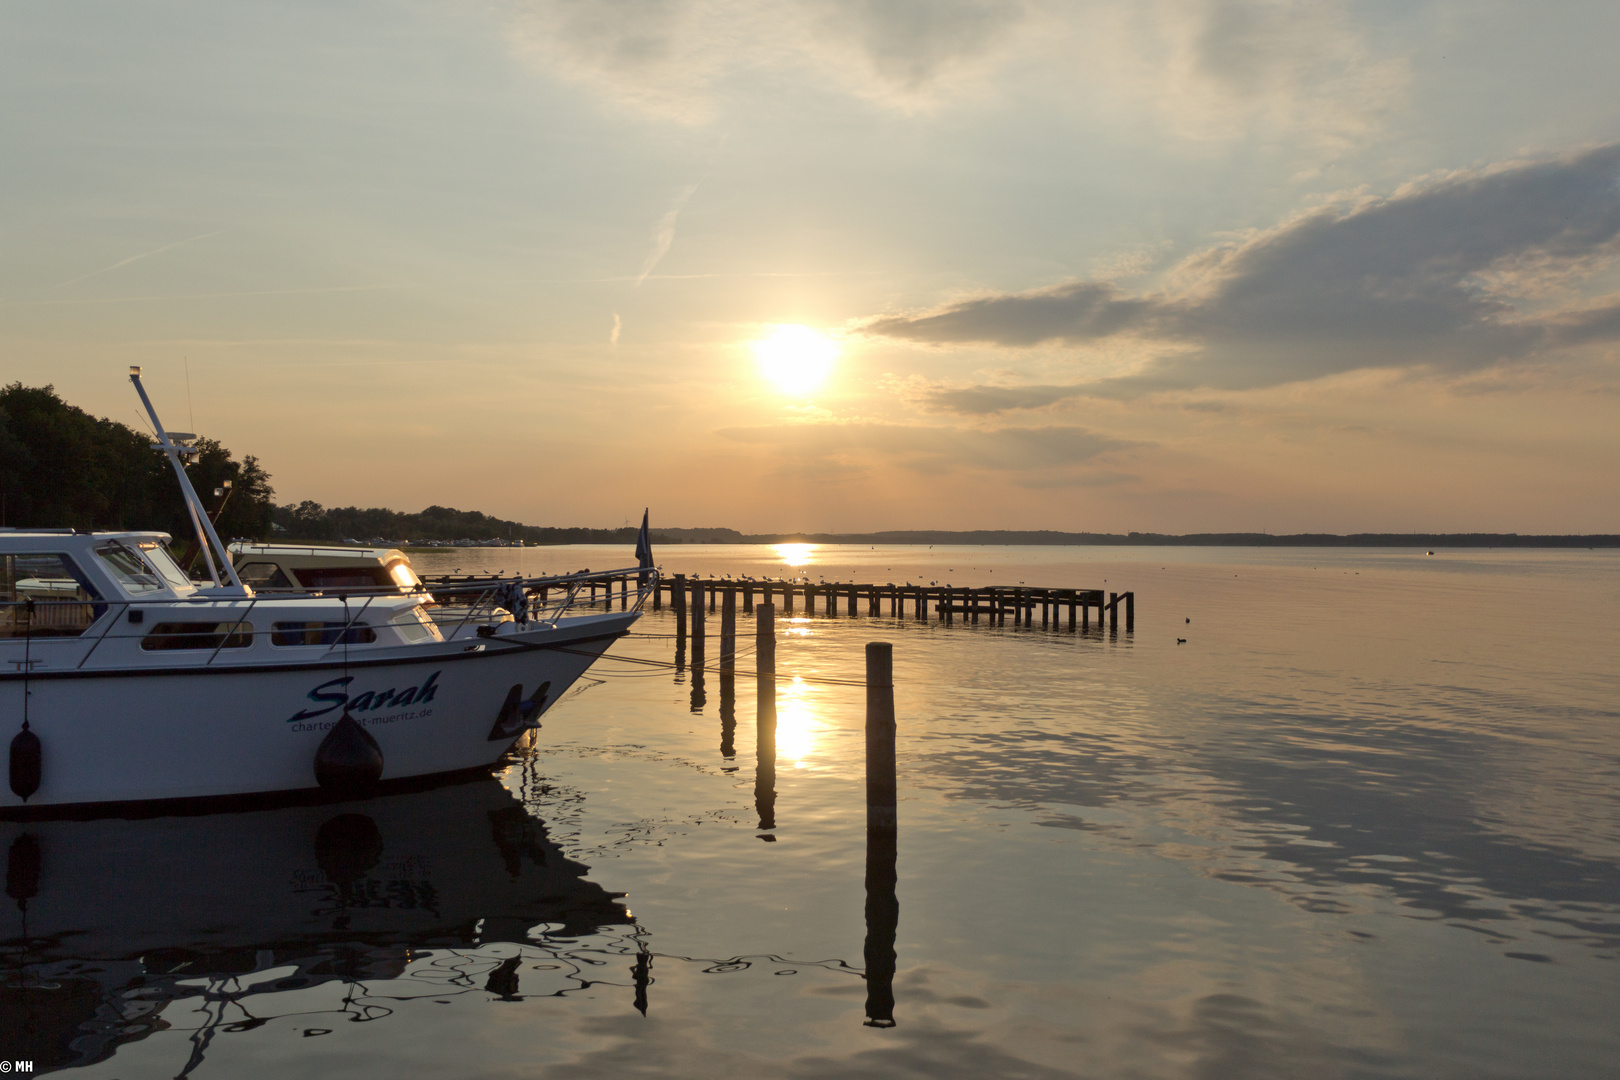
{"type": "Point", "coordinates": [110, 922]}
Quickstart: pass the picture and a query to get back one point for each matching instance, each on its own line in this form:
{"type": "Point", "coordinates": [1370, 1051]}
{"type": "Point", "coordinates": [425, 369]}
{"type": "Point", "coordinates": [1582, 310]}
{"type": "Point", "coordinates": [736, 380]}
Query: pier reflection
{"type": "Point", "coordinates": [765, 755]}
{"type": "Point", "coordinates": [882, 922]}
{"type": "Point", "coordinates": [728, 715]}
{"type": "Point", "coordinates": [112, 922]}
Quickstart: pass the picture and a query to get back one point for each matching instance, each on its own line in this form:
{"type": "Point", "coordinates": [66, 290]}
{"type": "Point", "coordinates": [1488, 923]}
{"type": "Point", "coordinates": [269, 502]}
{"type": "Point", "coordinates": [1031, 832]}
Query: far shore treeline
{"type": "Point", "coordinates": [60, 467]}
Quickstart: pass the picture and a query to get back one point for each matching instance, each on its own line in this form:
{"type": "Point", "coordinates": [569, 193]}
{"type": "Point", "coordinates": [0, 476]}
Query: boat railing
{"type": "Point", "coordinates": [545, 601]}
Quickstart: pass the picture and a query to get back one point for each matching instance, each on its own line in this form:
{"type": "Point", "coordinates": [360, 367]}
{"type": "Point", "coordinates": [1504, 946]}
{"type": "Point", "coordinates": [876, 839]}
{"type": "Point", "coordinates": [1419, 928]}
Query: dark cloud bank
{"type": "Point", "coordinates": [1394, 283]}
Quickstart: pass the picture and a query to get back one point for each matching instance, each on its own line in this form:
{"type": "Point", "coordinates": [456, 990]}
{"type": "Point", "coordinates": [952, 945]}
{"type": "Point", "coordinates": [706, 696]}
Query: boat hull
{"type": "Point", "coordinates": [228, 732]}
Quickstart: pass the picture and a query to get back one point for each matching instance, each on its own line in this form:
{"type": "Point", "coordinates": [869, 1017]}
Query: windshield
{"type": "Point", "coordinates": [141, 570]}
{"type": "Point", "coordinates": [164, 563]}
{"type": "Point", "coordinates": [403, 575]}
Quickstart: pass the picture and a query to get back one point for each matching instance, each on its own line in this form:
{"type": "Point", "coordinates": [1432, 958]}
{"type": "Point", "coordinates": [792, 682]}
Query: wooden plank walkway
{"type": "Point", "coordinates": [990, 603]}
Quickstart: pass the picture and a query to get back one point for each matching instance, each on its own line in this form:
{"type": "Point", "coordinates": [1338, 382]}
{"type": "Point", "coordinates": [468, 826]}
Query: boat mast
{"type": "Point", "coordinates": [207, 538]}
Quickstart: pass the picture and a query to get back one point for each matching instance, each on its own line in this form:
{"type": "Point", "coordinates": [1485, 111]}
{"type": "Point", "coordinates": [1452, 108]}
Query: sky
{"type": "Point", "coordinates": [839, 265]}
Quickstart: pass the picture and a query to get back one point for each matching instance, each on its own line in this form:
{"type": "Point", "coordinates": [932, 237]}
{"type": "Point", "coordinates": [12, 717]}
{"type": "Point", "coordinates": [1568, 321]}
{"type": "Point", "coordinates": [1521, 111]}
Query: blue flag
{"type": "Point", "coordinates": [644, 556]}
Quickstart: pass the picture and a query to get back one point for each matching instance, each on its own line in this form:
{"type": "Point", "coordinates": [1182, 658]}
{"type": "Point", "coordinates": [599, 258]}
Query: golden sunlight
{"type": "Point", "coordinates": [795, 554]}
{"type": "Point", "coordinates": [797, 727]}
{"type": "Point", "coordinates": [795, 359]}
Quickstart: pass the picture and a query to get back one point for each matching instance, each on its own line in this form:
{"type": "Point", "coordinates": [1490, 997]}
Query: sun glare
{"type": "Point", "coordinates": [795, 359]}
{"type": "Point", "coordinates": [795, 554]}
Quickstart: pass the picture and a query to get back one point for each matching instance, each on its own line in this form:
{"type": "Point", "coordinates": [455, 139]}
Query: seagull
{"type": "Point", "coordinates": [1189, 620]}
{"type": "Point", "coordinates": [1181, 641]}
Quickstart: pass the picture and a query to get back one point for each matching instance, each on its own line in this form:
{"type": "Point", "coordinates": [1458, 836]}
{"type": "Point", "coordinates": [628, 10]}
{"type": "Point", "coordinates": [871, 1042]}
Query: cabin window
{"type": "Point", "coordinates": [343, 577]}
{"type": "Point", "coordinates": [320, 633]}
{"type": "Point", "coordinates": [403, 575]}
{"type": "Point", "coordinates": [132, 572]}
{"type": "Point", "coordinates": [415, 626]}
{"type": "Point", "coordinates": [264, 575]}
{"type": "Point", "coordinates": [164, 564]}
{"type": "Point", "coordinates": [198, 635]}
{"type": "Point", "coordinates": [63, 605]}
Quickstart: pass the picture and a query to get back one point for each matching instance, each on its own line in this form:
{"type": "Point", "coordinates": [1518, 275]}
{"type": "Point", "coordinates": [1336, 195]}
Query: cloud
{"type": "Point", "coordinates": [670, 58]}
{"type": "Point", "coordinates": [664, 233]}
{"type": "Point", "coordinates": [934, 449]}
{"type": "Point", "coordinates": [1450, 274]}
{"type": "Point", "coordinates": [1204, 69]}
{"type": "Point", "coordinates": [121, 263]}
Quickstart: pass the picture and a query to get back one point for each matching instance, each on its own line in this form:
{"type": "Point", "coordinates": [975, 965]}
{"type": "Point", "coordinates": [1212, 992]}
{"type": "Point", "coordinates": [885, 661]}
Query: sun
{"type": "Point", "coordinates": [795, 359]}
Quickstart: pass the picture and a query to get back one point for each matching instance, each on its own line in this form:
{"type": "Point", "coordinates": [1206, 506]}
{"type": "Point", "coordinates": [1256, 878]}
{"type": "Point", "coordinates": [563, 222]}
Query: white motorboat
{"type": "Point", "coordinates": [124, 681]}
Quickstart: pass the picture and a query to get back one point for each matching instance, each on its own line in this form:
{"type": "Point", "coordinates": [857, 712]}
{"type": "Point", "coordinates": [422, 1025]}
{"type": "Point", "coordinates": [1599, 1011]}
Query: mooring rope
{"type": "Point", "coordinates": [670, 666]}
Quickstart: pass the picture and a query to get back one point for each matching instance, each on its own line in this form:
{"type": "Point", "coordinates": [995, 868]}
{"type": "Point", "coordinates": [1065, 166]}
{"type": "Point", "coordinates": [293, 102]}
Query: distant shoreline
{"type": "Point", "coordinates": [1013, 538]}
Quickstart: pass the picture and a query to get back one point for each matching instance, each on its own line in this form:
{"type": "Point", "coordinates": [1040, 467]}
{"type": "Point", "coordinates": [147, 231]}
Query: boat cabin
{"type": "Point", "coordinates": [60, 584]}
{"type": "Point", "coordinates": [301, 568]}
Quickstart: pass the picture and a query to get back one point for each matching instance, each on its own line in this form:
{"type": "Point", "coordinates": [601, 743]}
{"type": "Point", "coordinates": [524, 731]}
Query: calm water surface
{"type": "Point", "coordinates": [1363, 822]}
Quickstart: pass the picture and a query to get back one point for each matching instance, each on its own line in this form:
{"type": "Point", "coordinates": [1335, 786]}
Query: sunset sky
{"type": "Point", "coordinates": [1176, 265]}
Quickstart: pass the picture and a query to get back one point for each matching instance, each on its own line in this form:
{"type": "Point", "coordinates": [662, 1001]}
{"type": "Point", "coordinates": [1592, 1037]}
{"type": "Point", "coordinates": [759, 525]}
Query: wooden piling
{"type": "Point", "coordinates": [765, 726]}
{"type": "Point", "coordinates": [1113, 612]}
{"type": "Point", "coordinates": [728, 630]}
{"type": "Point", "coordinates": [882, 906]}
{"type": "Point", "coordinates": [1130, 612]}
{"type": "Point", "coordinates": [697, 625]}
{"type": "Point", "coordinates": [880, 734]}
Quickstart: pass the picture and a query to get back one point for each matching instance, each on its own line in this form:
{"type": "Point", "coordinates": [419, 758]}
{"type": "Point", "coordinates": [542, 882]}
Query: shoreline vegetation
{"type": "Point", "coordinates": [533, 536]}
{"type": "Point", "coordinates": [62, 467]}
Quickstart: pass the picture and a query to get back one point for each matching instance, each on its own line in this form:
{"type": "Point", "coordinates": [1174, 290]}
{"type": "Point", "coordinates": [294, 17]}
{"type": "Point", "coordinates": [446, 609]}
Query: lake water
{"type": "Point", "coordinates": [1363, 822]}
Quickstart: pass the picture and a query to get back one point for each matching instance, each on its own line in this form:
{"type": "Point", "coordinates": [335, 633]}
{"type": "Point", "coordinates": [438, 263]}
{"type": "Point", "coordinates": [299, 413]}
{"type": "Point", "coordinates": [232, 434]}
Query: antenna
{"type": "Point", "coordinates": [174, 446]}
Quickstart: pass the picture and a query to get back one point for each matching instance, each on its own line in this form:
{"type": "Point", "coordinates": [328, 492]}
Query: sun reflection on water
{"type": "Point", "coordinates": [796, 554]}
{"type": "Point", "coordinates": [797, 727]}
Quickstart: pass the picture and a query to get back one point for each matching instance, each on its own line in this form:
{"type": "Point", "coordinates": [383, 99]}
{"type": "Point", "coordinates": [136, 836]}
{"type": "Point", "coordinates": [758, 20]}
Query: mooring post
{"type": "Point", "coordinates": [880, 733]}
{"type": "Point", "coordinates": [1113, 611]}
{"type": "Point", "coordinates": [677, 597]}
{"type": "Point", "coordinates": [1130, 613]}
{"type": "Point", "coordinates": [714, 587]}
{"type": "Point", "coordinates": [787, 598]}
{"type": "Point", "coordinates": [748, 598]}
{"type": "Point", "coordinates": [697, 626]}
{"type": "Point", "coordinates": [765, 725]}
{"type": "Point", "coordinates": [882, 906]}
{"type": "Point", "coordinates": [728, 630]}
{"type": "Point", "coordinates": [658, 596]}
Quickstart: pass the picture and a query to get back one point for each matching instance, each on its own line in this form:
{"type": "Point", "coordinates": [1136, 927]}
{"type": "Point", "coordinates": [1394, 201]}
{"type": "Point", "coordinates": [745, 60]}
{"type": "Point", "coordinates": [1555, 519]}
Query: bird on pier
{"type": "Point", "coordinates": [1181, 641]}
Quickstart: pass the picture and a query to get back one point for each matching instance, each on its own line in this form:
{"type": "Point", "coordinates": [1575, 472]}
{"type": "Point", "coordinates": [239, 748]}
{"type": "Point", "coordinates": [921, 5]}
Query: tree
{"type": "Point", "coordinates": [60, 467]}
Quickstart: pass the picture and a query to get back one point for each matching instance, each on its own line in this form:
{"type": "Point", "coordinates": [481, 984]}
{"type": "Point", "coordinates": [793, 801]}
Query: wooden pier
{"type": "Point", "coordinates": [1051, 609]}
{"type": "Point", "coordinates": [992, 604]}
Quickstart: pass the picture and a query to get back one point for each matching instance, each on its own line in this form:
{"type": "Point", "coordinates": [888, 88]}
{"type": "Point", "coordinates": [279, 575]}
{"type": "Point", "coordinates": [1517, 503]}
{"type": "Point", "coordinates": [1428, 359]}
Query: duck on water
{"type": "Point", "coordinates": [124, 681]}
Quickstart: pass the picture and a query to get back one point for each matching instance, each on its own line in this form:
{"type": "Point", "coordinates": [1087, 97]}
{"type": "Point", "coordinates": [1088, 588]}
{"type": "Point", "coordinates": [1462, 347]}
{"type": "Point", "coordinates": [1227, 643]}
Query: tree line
{"type": "Point", "coordinates": [312, 521]}
{"type": "Point", "coordinates": [61, 467]}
